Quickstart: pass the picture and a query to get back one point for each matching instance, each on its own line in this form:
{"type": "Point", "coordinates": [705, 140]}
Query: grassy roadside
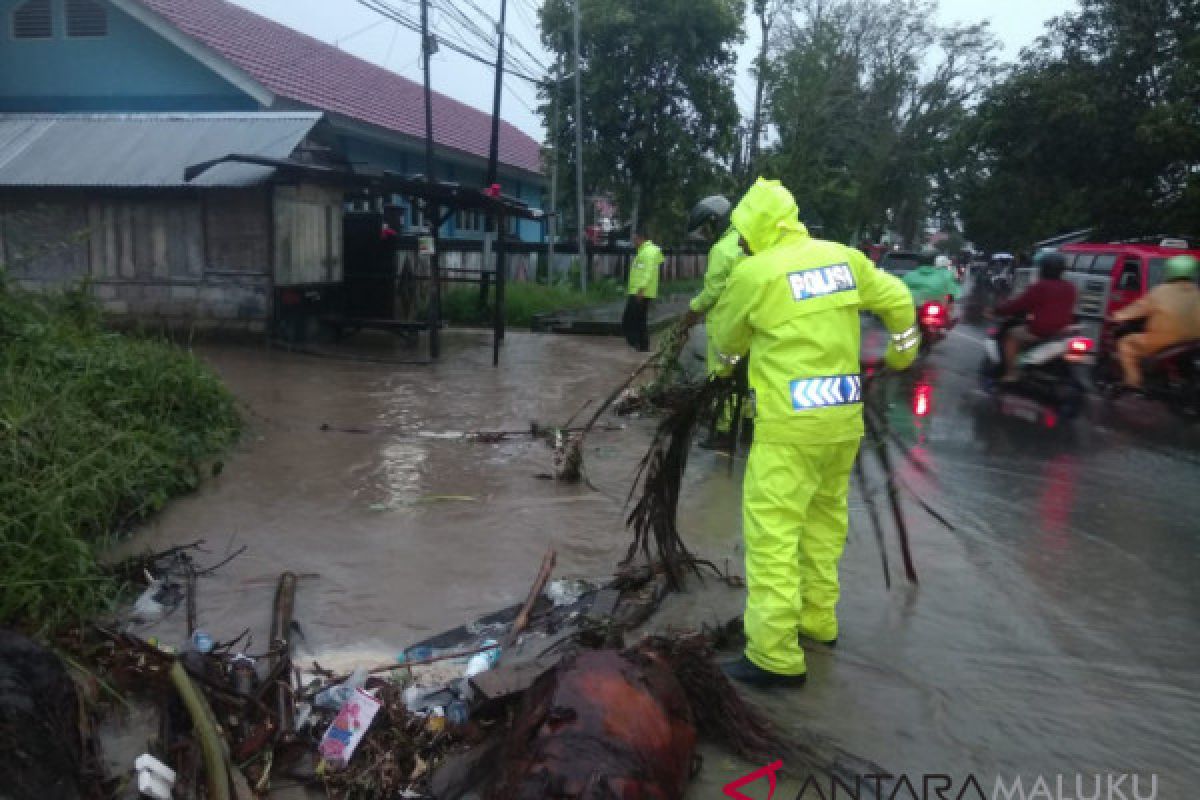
{"type": "Point", "coordinates": [97, 430]}
{"type": "Point", "coordinates": [523, 301]}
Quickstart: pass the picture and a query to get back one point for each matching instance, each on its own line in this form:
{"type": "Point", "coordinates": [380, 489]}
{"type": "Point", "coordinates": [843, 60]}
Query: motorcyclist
{"type": "Point", "coordinates": [1172, 314]}
{"type": "Point", "coordinates": [1048, 307]}
{"type": "Point", "coordinates": [933, 281]}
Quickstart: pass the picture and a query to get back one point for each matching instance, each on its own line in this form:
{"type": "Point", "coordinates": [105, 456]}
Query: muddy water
{"type": "Point", "coordinates": [405, 529]}
{"type": "Point", "coordinates": [1055, 632]}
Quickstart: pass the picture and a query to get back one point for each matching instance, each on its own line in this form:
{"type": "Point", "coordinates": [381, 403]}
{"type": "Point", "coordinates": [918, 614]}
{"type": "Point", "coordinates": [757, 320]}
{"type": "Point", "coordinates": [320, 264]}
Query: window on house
{"type": "Point", "coordinates": [33, 20]}
{"type": "Point", "coordinates": [86, 18]}
{"type": "Point", "coordinates": [469, 221]}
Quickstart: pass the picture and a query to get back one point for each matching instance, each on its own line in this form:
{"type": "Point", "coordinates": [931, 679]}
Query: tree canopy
{"type": "Point", "coordinates": [882, 119]}
{"type": "Point", "coordinates": [659, 115]}
{"type": "Point", "coordinates": [1097, 126]}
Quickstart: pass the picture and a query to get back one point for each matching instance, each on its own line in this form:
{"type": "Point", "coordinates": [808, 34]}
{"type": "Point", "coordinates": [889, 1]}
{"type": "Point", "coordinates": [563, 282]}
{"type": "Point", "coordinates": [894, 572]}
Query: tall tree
{"type": "Point", "coordinates": [659, 113]}
{"type": "Point", "coordinates": [867, 99]}
{"type": "Point", "coordinates": [1098, 126]}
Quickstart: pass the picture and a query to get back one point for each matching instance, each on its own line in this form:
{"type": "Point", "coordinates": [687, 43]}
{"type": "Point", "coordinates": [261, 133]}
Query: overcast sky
{"type": "Point", "coordinates": [363, 32]}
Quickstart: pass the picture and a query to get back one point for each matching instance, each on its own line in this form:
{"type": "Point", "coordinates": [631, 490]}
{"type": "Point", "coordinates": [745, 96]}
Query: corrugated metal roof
{"type": "Point", "coordinates": [143, 150]}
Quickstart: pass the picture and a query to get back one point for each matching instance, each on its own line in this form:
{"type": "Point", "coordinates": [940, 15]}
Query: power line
{"type": "Point", "coordinates": [513, 93]}
{"type": "Point", "coordinates": [530, 62]}
{"type": "Point", "coordinates": [385, 9]}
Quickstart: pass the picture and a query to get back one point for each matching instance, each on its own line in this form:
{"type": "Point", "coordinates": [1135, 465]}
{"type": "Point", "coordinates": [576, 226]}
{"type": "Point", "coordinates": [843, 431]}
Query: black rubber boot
{"type": "Point", "coordinates": [806, 638]}
{"type": "Point", "coordinates": [746, 671]}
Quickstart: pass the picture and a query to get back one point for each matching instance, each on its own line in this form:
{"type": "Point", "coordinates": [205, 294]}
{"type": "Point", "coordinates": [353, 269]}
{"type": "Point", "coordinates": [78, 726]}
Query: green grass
{"type": "Point", "coordinates": [97, 430]}
{"type": "Point", "coordinates": [523, 301]}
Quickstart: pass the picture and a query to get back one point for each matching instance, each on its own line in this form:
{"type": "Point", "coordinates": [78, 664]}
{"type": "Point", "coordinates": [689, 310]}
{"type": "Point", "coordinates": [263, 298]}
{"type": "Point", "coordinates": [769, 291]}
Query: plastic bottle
{"type": "Point", "coordinates": [482, 662]}
{"type": "Point", "coordinates": [334, 696]}
{"type": "Point", "coordinates": [457, 713]}
{"type": "Point", "coordinates": [202, 642]}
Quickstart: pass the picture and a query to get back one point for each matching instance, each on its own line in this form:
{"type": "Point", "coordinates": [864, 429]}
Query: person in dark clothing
{"type": "Point", "coordinates": [1048, 307]}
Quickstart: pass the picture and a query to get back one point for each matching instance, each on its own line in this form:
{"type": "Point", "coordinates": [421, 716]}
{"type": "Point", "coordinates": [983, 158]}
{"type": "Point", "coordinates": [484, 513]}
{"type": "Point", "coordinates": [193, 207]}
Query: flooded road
{"type": "Point", "coordinates": [1053, 633]}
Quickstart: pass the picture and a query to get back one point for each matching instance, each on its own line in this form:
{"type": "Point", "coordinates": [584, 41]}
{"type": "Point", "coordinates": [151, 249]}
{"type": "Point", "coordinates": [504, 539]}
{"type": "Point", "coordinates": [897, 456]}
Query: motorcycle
{"type": "Point", "coordinates": [1170, 376]}
{"type": "Point", "coordinates": [935, 322]}
{"type": "Point", "coordinates": [1049, 385]}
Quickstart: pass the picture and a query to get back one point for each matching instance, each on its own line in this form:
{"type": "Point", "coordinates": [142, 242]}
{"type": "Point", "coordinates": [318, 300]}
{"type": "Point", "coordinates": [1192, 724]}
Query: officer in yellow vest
{"type": "Point", "coordinates": [794, 305]}
{"type": "Point", "coordinates": [643, 289]}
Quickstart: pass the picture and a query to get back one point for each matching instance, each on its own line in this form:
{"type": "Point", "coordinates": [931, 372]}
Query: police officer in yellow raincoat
{"type": "Point", "coordinates": [794, 305]}
{"type": "Point", "coordinates": [710, 217]}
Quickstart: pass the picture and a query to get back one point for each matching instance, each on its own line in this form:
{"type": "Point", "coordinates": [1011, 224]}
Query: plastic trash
{"type": "Point", "coordinates": [202, 642]}
{"type": "Point", "coordinates": [348, 728]}
{"type": "Point", "coordinates": [437, 720]}
{"type": "Point", "coordinates": [483, 661]}
{"type": "Point", "coordinates": [155, 779]}
{"type": "Point", "coordinates": [457, 713]}
{"type": "Point", "coordinates": [147, 609]}
{"type": "Point", "coordinates": [418, 699]}
{"type": "Point", "coordinates": [303, 715]}
{"type": "Point", "coordinates": [335, 696]}
{"type": "Point", "coordinates": [565, 592]}
{"type": "Point", "coordinates": [245, 677]}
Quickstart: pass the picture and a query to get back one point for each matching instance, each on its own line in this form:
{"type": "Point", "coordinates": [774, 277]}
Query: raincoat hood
{"type": "Point", "coordinates": [766, 214]}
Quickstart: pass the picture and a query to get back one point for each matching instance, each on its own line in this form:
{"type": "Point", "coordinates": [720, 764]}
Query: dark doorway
{"type": "Point", "coordinates": [370, 267]}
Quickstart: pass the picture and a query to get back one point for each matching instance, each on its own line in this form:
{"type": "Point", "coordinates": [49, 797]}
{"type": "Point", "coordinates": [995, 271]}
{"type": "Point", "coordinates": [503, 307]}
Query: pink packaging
{"type": "Point", "coordinates": [348, 729]}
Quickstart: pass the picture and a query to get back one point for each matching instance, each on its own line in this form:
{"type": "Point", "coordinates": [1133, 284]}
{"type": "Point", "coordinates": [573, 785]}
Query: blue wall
{"type": "Point", "coordinates": [130, 69]}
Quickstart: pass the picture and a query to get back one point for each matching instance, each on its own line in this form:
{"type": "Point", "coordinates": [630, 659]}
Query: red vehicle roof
{"type": "Point", "coordinates": [316, 74]}
{"type": "Point", "coordinates": [1136, 248]}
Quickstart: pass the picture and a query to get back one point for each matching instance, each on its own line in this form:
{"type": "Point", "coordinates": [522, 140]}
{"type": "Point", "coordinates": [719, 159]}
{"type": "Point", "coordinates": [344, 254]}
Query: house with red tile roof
{"type": "Point", "coordinates": [214, 56]}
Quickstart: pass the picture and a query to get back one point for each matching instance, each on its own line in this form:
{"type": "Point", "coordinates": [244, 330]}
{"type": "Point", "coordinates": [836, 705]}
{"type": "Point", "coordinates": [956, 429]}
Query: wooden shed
{"type": "Point", "coordinates": [103, 197]}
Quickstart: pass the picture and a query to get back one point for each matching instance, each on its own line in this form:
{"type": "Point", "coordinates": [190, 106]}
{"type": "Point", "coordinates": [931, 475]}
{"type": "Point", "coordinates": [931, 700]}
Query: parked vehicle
{"type": "Point", "coordinates": [1050, 384]}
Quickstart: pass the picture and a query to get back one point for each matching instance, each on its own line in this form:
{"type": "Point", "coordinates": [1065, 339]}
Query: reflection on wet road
{"type": "Point", "coordinates": [1054, 632]}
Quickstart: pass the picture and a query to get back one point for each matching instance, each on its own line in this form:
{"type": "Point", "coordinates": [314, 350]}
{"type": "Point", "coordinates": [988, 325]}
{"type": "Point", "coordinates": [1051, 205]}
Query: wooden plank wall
{"type": "Point", "coordinates": [133, 239]}
{"type": "Point", "coordinates": [308, 235]}
{"type": "Point", "coordinates": [237, 230]}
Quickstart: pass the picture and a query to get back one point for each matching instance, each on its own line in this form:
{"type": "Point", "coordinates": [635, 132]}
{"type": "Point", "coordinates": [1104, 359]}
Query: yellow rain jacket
{"type": "Point", "coordinates": [725, 253]}
{"type": "Point", "coordinates": [643, 273]}
{"type": "Point", "coordinates": [794, 306]}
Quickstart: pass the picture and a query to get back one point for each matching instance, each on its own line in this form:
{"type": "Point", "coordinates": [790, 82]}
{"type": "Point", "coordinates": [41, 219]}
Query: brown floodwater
{"type": "Point", "coordinates": [1053, 633]}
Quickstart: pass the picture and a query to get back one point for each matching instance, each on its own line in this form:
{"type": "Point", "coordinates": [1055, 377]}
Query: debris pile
{"type": "Point", "coordinates": [504, 704]}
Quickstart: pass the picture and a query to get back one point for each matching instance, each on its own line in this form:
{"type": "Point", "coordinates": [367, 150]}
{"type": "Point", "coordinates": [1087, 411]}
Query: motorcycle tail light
{"type": "Point", "coordinates": [922, 399]}
{"type": "Point", "coordinates": [1080, 345]}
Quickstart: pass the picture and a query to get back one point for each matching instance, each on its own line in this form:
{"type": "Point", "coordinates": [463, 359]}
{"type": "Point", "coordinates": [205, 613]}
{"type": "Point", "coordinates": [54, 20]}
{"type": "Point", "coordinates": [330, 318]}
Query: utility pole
{"type": "Point", "coordinates": [552, 219]}
{"type": "Point", "coordinates": [766, 11]}
{"type": "Point", "coordinates": [432, 210]}
{"type": "Point", "coordinates": [583, 266]}
{"type": "Point", "coordinates": [494, 151]}
{"type": "Point", "coordinates": [494, 234]}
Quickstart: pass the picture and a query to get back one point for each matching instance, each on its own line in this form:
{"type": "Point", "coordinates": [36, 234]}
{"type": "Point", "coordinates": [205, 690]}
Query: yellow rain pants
{"type": "Point", "coordinates": [794, 519]}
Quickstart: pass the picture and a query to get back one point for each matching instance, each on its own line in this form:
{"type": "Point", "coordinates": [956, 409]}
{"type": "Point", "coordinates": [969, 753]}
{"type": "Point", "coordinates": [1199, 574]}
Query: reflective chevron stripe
{"type": "Point", "coordinates": [906, 339]}
{"type": "Point", "coordinates": [836, 390]}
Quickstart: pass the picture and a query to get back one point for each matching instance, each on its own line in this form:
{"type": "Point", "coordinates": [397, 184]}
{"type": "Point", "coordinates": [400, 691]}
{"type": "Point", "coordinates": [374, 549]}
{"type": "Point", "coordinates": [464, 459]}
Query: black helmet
{"type": "Point", "coordinates": [1050, 265]}
{"type": "Point", "coordinates": [714, 208]}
